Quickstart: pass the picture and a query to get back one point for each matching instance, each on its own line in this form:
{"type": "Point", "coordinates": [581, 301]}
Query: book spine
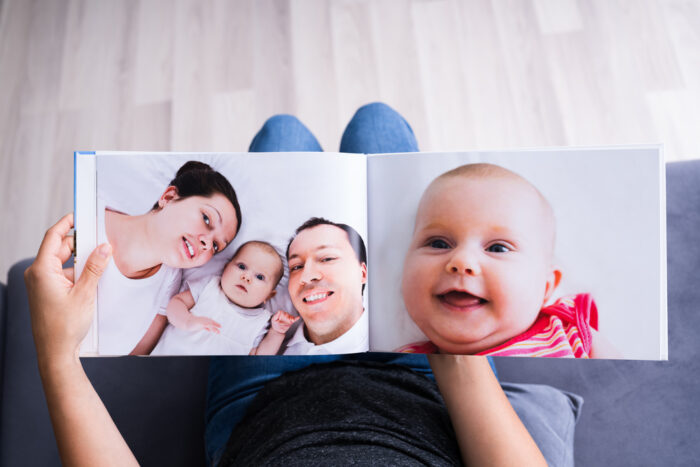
{"type": "Point", "coordinates": [85, 226]}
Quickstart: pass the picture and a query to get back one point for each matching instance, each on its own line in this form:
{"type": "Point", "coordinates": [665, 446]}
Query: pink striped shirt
{"type": "Point", "coordinates": [562, 329]}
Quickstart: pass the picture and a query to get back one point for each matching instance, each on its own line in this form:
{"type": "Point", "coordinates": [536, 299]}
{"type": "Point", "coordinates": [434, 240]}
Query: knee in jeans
{"type": "Point", "coordinates": [281, 120]}
{"type": "Point", "coordinates": [376, 108]}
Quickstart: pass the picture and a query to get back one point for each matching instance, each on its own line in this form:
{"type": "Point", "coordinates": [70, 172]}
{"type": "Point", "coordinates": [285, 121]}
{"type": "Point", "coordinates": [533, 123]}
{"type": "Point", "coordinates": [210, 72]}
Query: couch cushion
{"type": "Point", "coordinates": [155, 402]}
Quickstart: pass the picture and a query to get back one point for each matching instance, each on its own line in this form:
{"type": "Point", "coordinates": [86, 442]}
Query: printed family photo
{"type": "Point", "coordinates": [554, 253]}
{"type": "Point", "coordinates": [231, 254]}
{"type": "Point", "coordinates": [529, 253]}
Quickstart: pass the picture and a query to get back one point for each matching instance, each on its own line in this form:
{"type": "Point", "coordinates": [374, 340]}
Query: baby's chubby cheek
{"type": "Point", "coordinates": [517, 310]}
{"type": "Point", "coordinates": [406, 281]}
{"type": "Point", "coordinates": [416, 294]}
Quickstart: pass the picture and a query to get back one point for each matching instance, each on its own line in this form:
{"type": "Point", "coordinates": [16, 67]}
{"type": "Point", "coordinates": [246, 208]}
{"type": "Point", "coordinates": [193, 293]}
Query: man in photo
{"type": "Point", "coordinates": [327, 277]}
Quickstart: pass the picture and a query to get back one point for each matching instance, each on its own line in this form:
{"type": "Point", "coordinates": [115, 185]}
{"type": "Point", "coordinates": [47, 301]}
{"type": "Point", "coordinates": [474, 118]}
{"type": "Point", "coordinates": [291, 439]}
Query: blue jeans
{"type": "Point", "coordinates": [374, 129]}
{"type": "Point", "coordinates": [234, 381]}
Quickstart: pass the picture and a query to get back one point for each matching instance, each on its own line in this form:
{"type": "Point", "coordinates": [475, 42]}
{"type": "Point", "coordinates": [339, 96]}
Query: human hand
{"type": "Point", "coordinates": [198, 323]}
{"type": "Point", "coordinates": [62, 310]}
{"type": "Point", "coordinates": [282, 321]}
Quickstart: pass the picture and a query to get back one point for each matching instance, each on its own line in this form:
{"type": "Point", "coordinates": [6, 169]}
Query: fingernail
{"type": "Point", "coordinates": [105, 250]}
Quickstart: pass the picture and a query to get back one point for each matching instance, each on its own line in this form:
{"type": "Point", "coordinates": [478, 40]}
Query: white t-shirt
{"type": "Point", "coordinates": [126, 307]}
{"type": "Point", "coordinates": [355, 340]}
{"type": "Point", "coordinates": [241, 328]}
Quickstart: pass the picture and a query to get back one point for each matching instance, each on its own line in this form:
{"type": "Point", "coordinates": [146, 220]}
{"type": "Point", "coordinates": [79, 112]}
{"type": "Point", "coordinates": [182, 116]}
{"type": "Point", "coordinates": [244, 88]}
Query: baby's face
{"type": "Point", "coordinates": [250, 277]}
{"type": "Point", "coordinates": [478, 269]}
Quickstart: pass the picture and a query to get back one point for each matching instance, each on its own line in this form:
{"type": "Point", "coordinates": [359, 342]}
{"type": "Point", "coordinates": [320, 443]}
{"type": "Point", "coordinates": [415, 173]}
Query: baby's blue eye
{"type": "Point", "coordinates": [439, 244]}
{"type": "Point", "coordinates": [260, 277]}
{"type": "Point", "coordinates": [216, 247]}
{"type": "Point", "coordinates": [241, 266]}
{"type": "Point", "coordinates": [498, 248]}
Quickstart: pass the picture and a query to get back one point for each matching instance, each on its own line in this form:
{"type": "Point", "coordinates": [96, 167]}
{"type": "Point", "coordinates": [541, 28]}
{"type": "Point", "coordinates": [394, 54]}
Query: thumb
{"type": "Point", "coordinates": [94, 267]}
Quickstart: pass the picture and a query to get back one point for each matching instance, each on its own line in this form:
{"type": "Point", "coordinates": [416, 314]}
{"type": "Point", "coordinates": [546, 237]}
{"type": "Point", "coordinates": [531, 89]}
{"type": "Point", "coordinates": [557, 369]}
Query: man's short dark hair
{"type": "Point", "coordinates": [356, 242]}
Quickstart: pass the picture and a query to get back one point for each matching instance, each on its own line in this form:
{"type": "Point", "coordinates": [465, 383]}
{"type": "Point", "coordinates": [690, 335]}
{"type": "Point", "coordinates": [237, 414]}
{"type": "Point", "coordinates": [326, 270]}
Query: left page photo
{"type": "Point", "coordinates": [223, 253]}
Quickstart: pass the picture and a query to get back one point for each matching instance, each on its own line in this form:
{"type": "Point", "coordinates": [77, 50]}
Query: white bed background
{"type": "Point", "coordinates": [277, 192]}
{"type": "Point", "coordinates": [610, 211]}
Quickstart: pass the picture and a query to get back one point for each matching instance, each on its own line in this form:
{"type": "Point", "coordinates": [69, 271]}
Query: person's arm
{"type": "Point", "coordinates": [179, 315]}
{"type": "Point", "coordinates": [279, 325]}
{"type": "Point", "coordinates": [61, 314]}
{"type": "Point", "coordinates": [488, 430]}
{"type": "Point", "coordinates": [150, 339]}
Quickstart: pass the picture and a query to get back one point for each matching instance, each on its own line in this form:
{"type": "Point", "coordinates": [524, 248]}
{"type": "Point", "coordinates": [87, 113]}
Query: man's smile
{"type": "Point", "coordinates": [316, 297]}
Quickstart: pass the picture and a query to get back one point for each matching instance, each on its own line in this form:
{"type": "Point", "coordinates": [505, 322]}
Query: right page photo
{"type": "Point", "coordinates": [555, 252]}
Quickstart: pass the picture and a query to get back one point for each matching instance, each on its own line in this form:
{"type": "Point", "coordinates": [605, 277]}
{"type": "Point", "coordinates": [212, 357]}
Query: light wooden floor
{"type": "Point", "coordinates": [204, 75]}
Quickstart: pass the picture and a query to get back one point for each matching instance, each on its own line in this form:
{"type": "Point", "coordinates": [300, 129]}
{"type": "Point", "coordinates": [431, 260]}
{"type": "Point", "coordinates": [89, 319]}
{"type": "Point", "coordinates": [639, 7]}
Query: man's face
{"type": "Point", "coordinates": [325, 281]}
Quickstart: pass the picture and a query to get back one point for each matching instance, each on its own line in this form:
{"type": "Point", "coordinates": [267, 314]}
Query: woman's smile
{"type": "Point", "coordinates": [189, 249]}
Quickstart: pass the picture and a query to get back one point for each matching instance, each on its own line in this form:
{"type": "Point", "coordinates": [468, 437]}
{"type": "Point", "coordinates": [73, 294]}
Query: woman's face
{"type": "Point", "coordinates": [193, 229]}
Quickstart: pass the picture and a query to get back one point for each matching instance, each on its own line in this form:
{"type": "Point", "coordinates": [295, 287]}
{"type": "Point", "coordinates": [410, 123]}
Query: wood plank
{"type": "Point", "coordinates": [313, 72]}
{"type": "Point", "coordinates": [397, 65]}
{"type": "Point", "coordinates": [450, 122]}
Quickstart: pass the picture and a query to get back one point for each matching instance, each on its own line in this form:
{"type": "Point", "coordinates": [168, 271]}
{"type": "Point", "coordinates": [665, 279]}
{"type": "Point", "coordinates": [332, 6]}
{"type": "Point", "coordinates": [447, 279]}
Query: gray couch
{"type": "Point", "coordinates": [635, 413]}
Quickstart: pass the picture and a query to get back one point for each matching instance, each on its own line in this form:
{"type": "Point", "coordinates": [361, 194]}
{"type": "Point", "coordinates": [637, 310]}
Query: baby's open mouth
{"type": "Point", "coordinates": [460, 299]}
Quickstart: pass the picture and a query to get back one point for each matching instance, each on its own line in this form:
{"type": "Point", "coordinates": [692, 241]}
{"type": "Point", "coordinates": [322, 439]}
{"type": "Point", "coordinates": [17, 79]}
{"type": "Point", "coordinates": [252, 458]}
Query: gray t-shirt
{"type": "Point", "coordinates": [378, 414]}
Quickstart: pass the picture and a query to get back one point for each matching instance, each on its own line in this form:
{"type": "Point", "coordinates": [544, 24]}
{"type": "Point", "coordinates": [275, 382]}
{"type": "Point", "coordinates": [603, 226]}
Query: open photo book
{"type": "Point", "coordinates": [557, 252]}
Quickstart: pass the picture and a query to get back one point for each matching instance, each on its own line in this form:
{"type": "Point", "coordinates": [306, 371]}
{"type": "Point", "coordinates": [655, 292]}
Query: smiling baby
{"type": "Point", "coordinates": [479, 272]}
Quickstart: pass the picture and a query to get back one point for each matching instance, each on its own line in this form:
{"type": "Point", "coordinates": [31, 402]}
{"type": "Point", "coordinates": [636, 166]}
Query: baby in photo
{"type": "Point", "coordinates": [224, 315]}
{"type": "Point", "coordinates": [480, 271]}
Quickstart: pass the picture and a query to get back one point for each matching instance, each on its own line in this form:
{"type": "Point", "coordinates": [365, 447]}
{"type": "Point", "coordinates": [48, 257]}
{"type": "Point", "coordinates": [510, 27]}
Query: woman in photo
{"type": "Point", "coordinates": [196, 217]}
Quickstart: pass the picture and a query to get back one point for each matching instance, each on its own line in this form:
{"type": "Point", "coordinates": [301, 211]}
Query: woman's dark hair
{"type": "Point", "coordinates": [196, 178]}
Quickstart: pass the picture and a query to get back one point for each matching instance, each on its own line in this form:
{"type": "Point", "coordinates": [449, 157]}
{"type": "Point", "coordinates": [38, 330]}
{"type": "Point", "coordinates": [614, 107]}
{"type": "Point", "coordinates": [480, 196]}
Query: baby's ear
{"type": "Point", "coordinates": [272, 294]}
{"type": "Point", "coordinates": [552, 283]}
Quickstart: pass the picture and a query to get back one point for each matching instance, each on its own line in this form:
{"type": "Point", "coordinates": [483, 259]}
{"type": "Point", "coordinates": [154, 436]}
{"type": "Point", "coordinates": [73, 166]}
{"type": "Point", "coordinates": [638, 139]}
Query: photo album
{"type": "Point", "coordinates": [556, 252]}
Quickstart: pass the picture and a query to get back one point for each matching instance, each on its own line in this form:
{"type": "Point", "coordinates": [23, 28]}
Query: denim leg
{"type": "Point", "coordinates": [284, 133]}
{"type": "Point", "coordinates": [376, 128]}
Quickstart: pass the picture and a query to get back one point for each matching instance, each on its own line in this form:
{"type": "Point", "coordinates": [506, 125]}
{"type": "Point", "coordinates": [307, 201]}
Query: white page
{"type": "Point", "coordinates": [277, 193]}
{"type": "Point", "coordinates": [609, 205]}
